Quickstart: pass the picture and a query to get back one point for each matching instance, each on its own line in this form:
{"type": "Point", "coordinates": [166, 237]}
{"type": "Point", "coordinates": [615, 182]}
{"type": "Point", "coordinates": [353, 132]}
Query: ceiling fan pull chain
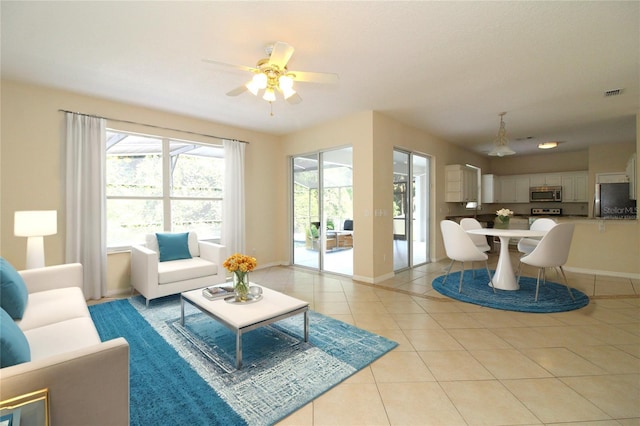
{"type": "Point", "coordinates": [271, 106]}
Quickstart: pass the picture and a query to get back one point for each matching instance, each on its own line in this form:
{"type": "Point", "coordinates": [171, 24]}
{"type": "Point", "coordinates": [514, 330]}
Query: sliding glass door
{"type": "Point", "coordinates": [410, 209]}
{"type": "Point", "coordinates": [323, 210]}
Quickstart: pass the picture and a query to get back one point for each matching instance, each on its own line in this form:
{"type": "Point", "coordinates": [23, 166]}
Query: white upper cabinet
{"type": "Point", "coordinates": [545, 179]}
{"type": "Point", "coordinates": [574, 187]}
{"type": "Point", "coordinates": [461, 184]}
{"type": "Point", "coordinates": [514, 189]}
{"type": "Point", "coordinates": [490, 189]}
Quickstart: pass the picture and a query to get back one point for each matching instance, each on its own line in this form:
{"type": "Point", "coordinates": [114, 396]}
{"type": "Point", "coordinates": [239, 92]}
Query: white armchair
{"type": "Point", "coordinates": [153, 278]}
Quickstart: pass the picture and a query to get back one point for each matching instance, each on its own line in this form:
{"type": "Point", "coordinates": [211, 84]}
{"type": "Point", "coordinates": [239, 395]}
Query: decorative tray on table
{"type": "Point", "coordinates": [255, 295]}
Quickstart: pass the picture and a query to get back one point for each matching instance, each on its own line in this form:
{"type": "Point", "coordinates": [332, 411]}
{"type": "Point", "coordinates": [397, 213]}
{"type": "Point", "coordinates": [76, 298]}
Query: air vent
{"type": "Point", "coordinates": [613, 92]}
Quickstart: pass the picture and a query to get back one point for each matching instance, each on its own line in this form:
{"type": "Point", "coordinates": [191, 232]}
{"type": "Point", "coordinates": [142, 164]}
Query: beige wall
{"type": "Point", "coordinates": [31, 170]}
{"type": "Point", "coordinates": [541, 163]}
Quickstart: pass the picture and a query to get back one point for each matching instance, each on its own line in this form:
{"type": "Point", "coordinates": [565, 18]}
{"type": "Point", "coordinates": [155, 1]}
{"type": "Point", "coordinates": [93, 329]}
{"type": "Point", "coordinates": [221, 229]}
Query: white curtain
{"type": "Point", "coordinates": [86, 201]}
{"type": "Point", "coordinates": [233, 228]}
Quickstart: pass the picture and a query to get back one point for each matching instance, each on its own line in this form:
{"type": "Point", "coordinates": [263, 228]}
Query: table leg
{"type": "Point", "coordinates": [505, 278]}
{"type": "Point", "coordinates": [306, 325]}
{"type": "Point", "coordinates": [239, 350]}
{"type": "Point", "coordinates": [181, 310]}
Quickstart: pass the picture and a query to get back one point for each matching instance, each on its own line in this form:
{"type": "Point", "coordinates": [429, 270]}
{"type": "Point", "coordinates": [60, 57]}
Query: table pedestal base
{"type": "Point", "coordinates": [504, 278]}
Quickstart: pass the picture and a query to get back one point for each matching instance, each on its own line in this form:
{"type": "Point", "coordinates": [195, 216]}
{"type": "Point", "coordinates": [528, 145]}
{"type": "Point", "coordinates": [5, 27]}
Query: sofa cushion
{"type": "Point", "coordinates": [14, 347]}
{"type": "Point", "coordinates": [13, 291]}
{"type": "Point", "coordinates": [151, 241]}
{"type": "Point", "coordinates": [61, 337]}
{"type": "Point", "coordinates": [47, 307]}
{"type": "Point", "coordinates": [186, 269]}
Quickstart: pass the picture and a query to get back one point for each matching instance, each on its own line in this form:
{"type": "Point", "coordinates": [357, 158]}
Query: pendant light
{"type": "Point", "coordinates": [501, 143]}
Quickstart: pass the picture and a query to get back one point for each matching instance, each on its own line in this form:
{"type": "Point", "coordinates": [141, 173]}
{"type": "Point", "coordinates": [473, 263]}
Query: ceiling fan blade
{"type": "Point", "coordinates": [281, 54]}
{"type": "Point", "coordinates": [237, 91]}
{"type": "Point", "coordinates": [224, 64]}
{"type": "Point", "coordinates": [315, 77]}
{"type": "Point", "coordinates": [294, 99]}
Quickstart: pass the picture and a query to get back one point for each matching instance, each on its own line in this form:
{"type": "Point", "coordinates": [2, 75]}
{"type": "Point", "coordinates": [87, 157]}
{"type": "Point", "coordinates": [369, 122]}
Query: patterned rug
{"type": "Point", "coordinates": [186, 375]}
{"type": "Point", "coordinates": [553, 297]}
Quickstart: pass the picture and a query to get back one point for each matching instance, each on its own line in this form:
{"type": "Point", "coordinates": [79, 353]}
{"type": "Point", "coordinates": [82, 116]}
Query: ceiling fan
{"type": "Point", "coordinates": [272, 76]}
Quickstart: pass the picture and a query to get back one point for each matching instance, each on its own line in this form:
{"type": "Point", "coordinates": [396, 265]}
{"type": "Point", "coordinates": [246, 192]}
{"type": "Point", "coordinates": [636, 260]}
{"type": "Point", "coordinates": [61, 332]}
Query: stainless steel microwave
{"type": "Point", "coordinates": [545, 193]}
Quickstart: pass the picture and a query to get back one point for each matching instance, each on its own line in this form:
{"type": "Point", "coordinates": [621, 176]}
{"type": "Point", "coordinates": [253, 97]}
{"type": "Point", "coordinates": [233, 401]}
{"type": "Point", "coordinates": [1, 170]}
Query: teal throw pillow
{"type": "Point", "coordinates": [14, 348]}
{"type": "Point", "coordinates": [173, 246]}
{"type": "Point", "coordinates": [13, 291]}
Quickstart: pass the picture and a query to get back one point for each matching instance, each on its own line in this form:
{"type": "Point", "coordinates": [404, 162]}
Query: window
{"type": "Point", "coordinates": [476, 205]}
{"type": "Point", "coordinates": [158, 184]}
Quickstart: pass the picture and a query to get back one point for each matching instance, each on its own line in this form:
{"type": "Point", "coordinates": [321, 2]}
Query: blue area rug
{"type": "Point", "coordinates": [185, 375]}
{"type": "Point", "coordinates": [553, 297]}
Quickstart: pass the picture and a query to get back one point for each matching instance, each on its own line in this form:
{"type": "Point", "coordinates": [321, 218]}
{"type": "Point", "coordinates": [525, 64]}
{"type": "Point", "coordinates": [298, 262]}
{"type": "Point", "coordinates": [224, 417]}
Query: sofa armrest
{"type": "Point", "coordinates": [53, 277]}
{"type": "Point", "coordinates": [86, 386]}
{"type": "Point", "coordinates": [144, 269]}
{"type": "Point", "coordinates": [213, 252]}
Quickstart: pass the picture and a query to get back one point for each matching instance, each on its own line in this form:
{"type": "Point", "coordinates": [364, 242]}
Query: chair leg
{"type": "Point", "coordinates": [566, 283]}
{"type": "Point", "coordinates": [540, 270]}
{"type": "Point", "coordinates": [461, 276]}
{"type": "Point", "coordinates": [486, 265]}
{"type": "Point", "coordinates": [447, 274]}
{"type": "Point", "coordinates": [518, 272]}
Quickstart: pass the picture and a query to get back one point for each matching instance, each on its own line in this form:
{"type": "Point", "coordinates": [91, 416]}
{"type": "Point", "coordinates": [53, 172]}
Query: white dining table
{"type": "Point", "coordinates": [504, 277]}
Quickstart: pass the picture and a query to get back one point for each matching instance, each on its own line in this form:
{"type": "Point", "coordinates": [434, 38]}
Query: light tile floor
{"type": "Point", "coordinates": [461, 364]}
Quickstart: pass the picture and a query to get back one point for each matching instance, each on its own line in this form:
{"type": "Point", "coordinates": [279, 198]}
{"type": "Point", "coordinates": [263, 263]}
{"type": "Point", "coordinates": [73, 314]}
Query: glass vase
{"type": "Point", "coordinates": [501, 222]}
{"type": "Point", "coordinates": [241, 285]}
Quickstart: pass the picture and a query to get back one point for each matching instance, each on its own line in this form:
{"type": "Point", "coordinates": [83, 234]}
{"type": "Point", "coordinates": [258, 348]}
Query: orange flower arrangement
{"type": "Point", "coordinates": [240, 263]}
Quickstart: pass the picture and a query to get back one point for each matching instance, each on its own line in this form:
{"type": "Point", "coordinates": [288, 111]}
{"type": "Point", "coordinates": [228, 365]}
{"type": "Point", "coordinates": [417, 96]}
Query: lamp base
{"type": "Point", "coordinates": [35, 252]}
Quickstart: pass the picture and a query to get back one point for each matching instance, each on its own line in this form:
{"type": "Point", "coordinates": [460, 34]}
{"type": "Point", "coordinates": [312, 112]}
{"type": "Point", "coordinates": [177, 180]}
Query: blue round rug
{"type": "Point", "coordinates": [553, 297]}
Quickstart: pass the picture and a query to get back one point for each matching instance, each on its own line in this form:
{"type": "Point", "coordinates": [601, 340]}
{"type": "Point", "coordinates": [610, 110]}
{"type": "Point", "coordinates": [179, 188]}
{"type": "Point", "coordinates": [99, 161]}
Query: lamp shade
{"type": "Point", "coordinates": [35, 223]}
{"type": "Point", "coordinates": [501, 151]}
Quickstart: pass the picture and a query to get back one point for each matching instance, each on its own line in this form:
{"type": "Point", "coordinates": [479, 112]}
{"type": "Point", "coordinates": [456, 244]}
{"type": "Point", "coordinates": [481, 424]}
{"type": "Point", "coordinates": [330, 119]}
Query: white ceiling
{"type": "Point", "coordinates": [448, 68]}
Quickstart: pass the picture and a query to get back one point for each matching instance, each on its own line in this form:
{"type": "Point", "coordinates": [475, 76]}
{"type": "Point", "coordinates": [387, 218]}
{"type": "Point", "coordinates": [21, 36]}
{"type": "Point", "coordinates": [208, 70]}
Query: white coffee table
{"type": "Point", "coordinates": [243, 317]}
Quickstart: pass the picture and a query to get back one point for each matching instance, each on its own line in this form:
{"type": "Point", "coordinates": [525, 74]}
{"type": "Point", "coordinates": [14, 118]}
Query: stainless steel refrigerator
{"type": "Point", "coordinates": [612, 201]}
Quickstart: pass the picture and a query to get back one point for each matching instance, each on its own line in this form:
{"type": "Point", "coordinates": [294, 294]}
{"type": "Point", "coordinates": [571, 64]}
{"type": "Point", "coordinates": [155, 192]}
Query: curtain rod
{"type": "Point", "coordinates": [151, 125]}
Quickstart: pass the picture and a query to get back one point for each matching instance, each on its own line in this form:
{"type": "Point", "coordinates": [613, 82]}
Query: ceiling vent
{"type": "Point", "coordinates": [613, 92]}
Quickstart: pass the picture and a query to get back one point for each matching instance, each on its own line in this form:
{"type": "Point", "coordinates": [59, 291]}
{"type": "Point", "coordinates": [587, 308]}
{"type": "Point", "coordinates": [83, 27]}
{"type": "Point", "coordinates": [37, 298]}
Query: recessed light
{"type": "Point", "coordinates": [547, 145]}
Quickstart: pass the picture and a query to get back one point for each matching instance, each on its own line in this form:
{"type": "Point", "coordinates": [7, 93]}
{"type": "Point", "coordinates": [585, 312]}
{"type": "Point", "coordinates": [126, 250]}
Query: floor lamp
{"type": "Point", "coordinates": [35, 225]}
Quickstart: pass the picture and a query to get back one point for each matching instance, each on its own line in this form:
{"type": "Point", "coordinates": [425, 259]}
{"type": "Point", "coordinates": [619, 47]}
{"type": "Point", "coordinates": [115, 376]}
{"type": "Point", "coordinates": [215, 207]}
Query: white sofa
{"type": "Point", "coordinates": [154, 279]}
{"type": "Point", "coordinates": [87, 380]}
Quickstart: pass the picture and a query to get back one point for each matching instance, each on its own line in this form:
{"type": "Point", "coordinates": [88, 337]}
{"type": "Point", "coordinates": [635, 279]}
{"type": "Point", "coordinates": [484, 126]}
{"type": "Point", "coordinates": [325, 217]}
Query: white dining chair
{"type": "Point", "coordinates": [526, 245]}
{"type": "Point", "coordinates": [480, 241]}
{"type": "Point", "coordinates": [460, 247]}
{"type": "Point", "coordinates": [551, 252]}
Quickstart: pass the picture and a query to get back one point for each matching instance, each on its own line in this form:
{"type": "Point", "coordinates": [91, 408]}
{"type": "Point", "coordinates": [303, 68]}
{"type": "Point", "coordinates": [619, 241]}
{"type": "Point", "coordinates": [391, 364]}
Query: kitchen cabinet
{"type": "Point", "coordinates": [574, 187]}
{"type": "Point", "coordinates": [514, 189]}
{"type": "Point", "coordinates": [490, 189]}
{"type": "Point", "coordinates": [461, 184]}
{"type": "Point", "coordinates": [545, 179]}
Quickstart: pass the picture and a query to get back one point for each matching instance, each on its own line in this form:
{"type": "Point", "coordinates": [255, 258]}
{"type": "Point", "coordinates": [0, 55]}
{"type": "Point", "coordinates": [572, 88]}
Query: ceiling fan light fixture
{"type": "Point", "coordinates": [547, 145]}
{"type": "Point", "coordinates": [260, 80]}
{"type": "Point", "coordinates": [269, 95]}
{"type": "Point", "coordinates": [285, 82]}
{"type": "Point", "coordinates": [287, 93]}
{"type": "Point", "coordinates": [501, 143]}
{"type": "Point", "coordinates": [252, 87]}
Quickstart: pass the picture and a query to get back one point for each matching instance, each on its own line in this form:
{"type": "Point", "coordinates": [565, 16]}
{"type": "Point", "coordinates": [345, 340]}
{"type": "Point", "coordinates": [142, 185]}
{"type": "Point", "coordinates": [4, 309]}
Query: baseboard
{"type": "Point", "coordinates": [374, 280]}
{"type": "Point", "coordinates": [603, 273]}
